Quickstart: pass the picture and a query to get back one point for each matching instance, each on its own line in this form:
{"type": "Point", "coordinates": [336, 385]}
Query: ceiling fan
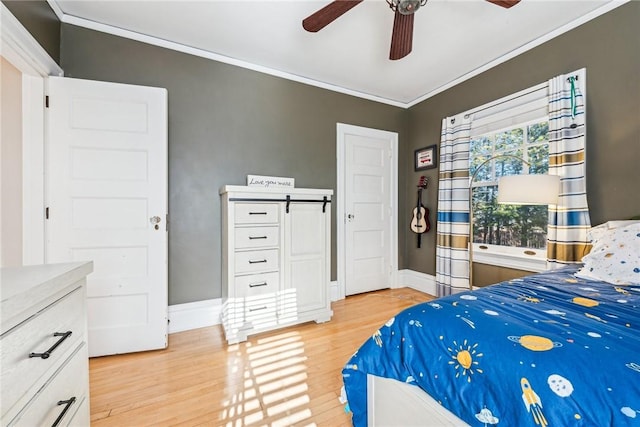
{"type": "Point", "coordinates": [402, 35]}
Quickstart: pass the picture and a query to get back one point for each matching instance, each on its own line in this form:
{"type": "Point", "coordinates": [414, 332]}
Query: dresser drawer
{"type": "Point", "coordinates": [260, 312]}
{"type": "Point", "coordinates": [256, 213]}
{"type": "Point", "coordinates": [254, 261]}
{"type": "Point", "coordinates": [36, 335]}
{"type": "Point", "coordinates": [69, 382]}
{"type": "Point", "coordinates": [257, 284]}
{"type": "Point", "coordinates": [257, 237]}
{"type": "Point", "coordinates": [82, 417]}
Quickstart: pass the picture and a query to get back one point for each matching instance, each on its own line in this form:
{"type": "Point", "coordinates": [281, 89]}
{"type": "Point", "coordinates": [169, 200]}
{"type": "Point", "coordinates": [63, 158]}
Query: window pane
{"type": "Point", "coordinates": [509, 140]}
{"type": "Point", "coordinates": [526, 227]}
{"type": "Point", "coordinates": [538, 132]}
{"type": "Point", "coordinates": [484, 173]}
{"type": "Point", "coordinates": [539, 159]}
{"type": "Point", "coordinates": [484, 212]}
{"type": "Point", "coordinates": [507, 225]}
{"type": "Point", "coordinates": [480, 146]}
{"type": "Point", "coordinates": [509, 165]}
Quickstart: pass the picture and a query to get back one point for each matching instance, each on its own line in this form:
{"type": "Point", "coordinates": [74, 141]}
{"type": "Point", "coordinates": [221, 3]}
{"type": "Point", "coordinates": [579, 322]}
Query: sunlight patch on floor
{"type": "Point", "coordinates": [274, 389]}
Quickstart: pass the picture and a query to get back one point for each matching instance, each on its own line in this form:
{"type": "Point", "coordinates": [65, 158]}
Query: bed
{"type": "Point", "coordinates": [556, 348]}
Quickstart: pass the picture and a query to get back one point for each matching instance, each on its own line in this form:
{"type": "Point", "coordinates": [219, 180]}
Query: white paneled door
{"type": "Point", "coordinates": [369, 200]}
{"type": "Point", "coordinates": [106, 187]}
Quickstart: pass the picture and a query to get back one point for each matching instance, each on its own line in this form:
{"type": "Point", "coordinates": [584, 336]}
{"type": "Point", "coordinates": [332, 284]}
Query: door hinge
{"type": "Point", "coordinates": [46, 101]}
{"type": "Point", "coordinates": [46, 212]}
{"type": "Point", "coordinates": [166, 223]}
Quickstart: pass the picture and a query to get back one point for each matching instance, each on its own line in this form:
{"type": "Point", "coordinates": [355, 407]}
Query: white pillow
{"type": "Point", "coordinates": [615, 256]}
{"type": "Point", "coordinates": [601, 230]}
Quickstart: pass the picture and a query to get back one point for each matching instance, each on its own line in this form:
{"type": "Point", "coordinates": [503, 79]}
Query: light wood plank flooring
{"type": "Point", "coordinates": [286, 377]}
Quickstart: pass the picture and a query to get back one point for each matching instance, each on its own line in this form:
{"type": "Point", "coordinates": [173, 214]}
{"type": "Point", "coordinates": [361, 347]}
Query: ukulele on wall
{"type": "Point", "coordinates": [420, 221]}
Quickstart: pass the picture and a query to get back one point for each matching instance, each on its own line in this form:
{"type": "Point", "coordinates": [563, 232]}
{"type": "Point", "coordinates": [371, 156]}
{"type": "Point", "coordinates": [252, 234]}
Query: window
{"type": "Point", "coordinates": [500, 227]}
{"type": "Point", "coordinates": [510, 130]}
{"type": "Point", "coordinates": [509, 225]}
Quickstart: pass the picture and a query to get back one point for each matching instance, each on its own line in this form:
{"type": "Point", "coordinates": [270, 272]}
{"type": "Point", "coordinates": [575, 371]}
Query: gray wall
{"type": "Point", "coordinates": [609, 48]}
{"type": "Point", "coordinates": [224, 122]}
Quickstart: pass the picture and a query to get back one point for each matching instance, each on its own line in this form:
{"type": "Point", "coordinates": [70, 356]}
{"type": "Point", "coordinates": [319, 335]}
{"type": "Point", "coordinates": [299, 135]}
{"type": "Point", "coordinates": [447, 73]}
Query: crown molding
{"type": "Point", "coordinates": [22, 50]}
{"type": "Point", "coordinates": [528, 46]}
{"type": "Point", "coordinates": [85, 23]}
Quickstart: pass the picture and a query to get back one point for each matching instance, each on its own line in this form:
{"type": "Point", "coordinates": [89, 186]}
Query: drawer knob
{"type": "Point", "coordinates": [63, 336]}
{"type": "Point", "coordinates": [257, 262]}
{"type": "Point", "coordinates": [67, 404]}
{"type": "Point", "coordinates": [258, 309]}
{"type": "Point", "coordinates": [257, 213]}
{"type": "Point", "coordinates": [257, 237]}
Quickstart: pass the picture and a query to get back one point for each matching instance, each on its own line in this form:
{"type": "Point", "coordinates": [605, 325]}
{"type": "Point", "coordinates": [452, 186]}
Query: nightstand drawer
{"type": "Point", "coordinates": [257, 284]}
{"type": "Point", "coordinates": [257, 213]}
{"type": "Point", "coordinates": [257, 237]}
{"type": "Point", "coordinates": [254, 261]}
{"type": "Point", "coordinates": [36, 337]}
{"type": "Point", "coordinates": [67, 385]}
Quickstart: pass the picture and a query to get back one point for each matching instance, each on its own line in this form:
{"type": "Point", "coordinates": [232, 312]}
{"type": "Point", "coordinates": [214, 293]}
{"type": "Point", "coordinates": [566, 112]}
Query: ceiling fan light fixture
{"type": "Point", "coordinates": [406, 7]}
{"type": "Point", "coordinates": [402, 34]}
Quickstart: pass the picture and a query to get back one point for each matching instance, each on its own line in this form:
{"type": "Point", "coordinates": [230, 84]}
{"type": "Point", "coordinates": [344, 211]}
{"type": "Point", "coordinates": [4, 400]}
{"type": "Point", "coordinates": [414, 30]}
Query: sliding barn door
{"type": "Point", "coordinates": [106, 182]}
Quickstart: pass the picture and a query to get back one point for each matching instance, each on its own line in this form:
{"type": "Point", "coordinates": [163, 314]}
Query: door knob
{"type": "Point", "coordinates": [155, 220]}
{"type": "Point", "coordinates": [350, 216]}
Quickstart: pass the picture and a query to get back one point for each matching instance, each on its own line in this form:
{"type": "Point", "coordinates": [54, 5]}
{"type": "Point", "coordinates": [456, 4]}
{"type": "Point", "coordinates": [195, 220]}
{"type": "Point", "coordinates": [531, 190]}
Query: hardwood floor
{"type": "Point", "coordinates": [286, 377]}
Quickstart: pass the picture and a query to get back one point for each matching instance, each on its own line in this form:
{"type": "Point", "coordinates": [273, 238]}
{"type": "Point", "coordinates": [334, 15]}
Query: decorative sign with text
{"type": "Point", "coordinates": [269, 181]}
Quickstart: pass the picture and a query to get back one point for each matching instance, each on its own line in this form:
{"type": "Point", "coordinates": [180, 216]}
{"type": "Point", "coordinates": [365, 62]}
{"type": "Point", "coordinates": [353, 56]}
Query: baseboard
{"type": "Point", "coordinates": [200, 314]}
{"type": "Point", "coordinates": [193, 315]}
{"type": "Point", "coordinates": [419, 281]}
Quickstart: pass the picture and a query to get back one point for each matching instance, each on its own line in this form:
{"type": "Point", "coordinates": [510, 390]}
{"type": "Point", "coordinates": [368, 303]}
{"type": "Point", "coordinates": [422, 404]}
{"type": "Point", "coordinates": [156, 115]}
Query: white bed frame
{"type": "Point", "coordinates": [394, 403]}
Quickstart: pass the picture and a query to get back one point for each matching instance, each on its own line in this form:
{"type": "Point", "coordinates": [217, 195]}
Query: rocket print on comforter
{"type": "Point", "coordinates": [547, 350]}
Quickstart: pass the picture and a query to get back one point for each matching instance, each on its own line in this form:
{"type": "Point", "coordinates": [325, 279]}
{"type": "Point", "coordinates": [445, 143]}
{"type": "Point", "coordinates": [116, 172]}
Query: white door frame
{"type": "Point", "coordinates": [341, 130]}
{"type": "Point", "coordinates": [25, 53]}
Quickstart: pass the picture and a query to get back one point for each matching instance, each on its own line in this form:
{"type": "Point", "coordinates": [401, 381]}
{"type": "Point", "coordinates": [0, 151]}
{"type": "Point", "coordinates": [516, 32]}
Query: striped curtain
{"type": "Point", "coordinates": [452, 257]}
{"type": "Point", "coordinates": [568, 220]}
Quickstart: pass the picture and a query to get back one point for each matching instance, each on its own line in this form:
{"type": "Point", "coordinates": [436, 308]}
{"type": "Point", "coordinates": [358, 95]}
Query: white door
{"type": "Point", "coordinates": [369, 217]}
{"type": "Point", "coordinates": [106, 180]}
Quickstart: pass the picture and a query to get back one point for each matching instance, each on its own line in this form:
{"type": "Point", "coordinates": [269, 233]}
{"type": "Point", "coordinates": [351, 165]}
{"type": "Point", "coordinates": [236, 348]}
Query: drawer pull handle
{"type": "Point", "coordinates": [257, 213]}
{"type": "Point", "coordinates": [46, 354]}
{"type": "Point", "coordinates": [257, 237]}
{"type": "Point", "coordinates": [258, 261]}
{"type": "Point", "coordinates": [67, 404]}
{"type": "Point", "coordinates": [258, 309]}
{"type": "Point", "coordinates": [255, 285]}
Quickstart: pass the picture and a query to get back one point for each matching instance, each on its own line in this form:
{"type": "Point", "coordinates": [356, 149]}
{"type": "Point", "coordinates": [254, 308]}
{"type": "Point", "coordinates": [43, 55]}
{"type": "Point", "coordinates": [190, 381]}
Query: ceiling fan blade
{"type": "Point", "coordinates": [328, 14]}
{"type": "Point", "coordinates": [505, 3]}
{"type": "Point", "coordinates": [402, 36]}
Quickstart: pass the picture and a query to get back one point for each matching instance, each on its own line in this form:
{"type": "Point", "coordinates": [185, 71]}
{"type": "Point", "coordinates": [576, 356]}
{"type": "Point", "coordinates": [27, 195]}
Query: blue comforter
{"type": "Point", "coordinates": [549, 349]}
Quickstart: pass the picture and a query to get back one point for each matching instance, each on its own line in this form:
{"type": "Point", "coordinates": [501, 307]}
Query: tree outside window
{"type": "Point", "coordinates": [509, 225]}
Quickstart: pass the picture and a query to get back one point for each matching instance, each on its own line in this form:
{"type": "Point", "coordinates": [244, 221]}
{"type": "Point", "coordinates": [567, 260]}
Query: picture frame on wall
{"type": "Point", "coordinates": [426, 158]}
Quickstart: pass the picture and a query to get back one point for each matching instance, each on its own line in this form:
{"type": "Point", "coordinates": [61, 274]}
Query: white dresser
{"type": "Point", "coordinates": [276, 258]}
{"type": "Point", "coordinates": [43, 345]}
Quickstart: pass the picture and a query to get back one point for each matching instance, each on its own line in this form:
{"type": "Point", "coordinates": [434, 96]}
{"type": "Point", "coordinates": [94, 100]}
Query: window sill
{"type": "Point", "coordinates": [510, 257]}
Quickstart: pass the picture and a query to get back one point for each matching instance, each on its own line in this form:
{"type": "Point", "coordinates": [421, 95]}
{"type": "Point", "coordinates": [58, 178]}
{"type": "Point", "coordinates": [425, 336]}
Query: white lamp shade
{"type": "Point", "coordinates": [529, 189]}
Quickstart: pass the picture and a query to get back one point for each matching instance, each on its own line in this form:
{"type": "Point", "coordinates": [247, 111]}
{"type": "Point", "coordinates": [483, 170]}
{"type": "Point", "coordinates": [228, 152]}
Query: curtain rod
{"type": "Point", "coordinates": [508, 98]}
